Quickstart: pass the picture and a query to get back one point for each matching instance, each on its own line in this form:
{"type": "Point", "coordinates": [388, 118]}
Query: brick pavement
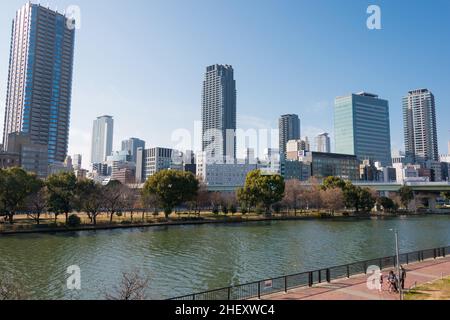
{"type": "Point", "coordinates": [355, 287]}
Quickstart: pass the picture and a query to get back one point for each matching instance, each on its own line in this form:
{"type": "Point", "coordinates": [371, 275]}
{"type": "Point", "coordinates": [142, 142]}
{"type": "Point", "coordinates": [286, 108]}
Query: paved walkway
{"type": "Point", "coordinates": [355, 288]}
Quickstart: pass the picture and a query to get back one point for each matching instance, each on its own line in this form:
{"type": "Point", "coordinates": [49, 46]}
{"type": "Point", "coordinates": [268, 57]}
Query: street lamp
{"type": "Point", "coordinates": [397, 253]}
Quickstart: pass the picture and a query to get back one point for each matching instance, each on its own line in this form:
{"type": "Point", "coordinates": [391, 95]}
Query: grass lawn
{"type": "Point", "coordinates": [22, 222]}
{"type": "Point", "coordinates": [438, 290]}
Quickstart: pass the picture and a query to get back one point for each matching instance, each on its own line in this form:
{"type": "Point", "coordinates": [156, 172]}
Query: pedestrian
{"type": "Point", "coordinates": [390, 281]}
{"type": "Point", "coordinates": [402, 278]}
{"type": "Point", "coordinates": [381, 281]}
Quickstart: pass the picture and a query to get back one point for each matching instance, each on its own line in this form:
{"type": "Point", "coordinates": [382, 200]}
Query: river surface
{"type": "Point", "coordinates": [185, 259]}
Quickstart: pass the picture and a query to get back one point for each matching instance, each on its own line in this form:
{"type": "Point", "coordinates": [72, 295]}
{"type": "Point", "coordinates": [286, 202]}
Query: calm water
{"type": "Point", "coordinates": [183, 260]}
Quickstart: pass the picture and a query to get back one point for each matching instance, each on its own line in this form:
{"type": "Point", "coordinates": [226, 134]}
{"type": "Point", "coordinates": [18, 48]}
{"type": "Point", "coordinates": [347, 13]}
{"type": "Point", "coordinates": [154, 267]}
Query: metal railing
{"type": "Point", "coordinates": [308, 279]}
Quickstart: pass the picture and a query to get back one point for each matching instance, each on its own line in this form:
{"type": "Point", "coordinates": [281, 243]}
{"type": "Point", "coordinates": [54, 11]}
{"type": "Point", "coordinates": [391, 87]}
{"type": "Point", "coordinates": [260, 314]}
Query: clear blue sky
{"type": "Point", "coordinates": [143, 61]}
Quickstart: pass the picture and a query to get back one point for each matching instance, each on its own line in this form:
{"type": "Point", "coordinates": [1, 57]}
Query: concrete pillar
{"type": "Point", "coordinates": [432, 202]}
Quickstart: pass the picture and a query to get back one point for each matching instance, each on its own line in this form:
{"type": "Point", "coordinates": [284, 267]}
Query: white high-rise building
{"type": "Point", "coordinates": [102, 139]}
{"type": "Point", "coordinates": [323, 143]}
{"type": "Point", "coordinates": [77, 161]}
{"type": "Point", "coordinates": [419, 116]}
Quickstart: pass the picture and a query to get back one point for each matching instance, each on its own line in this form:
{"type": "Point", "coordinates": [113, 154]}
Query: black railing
{"type": "Point", "coordinates": [310, 278]}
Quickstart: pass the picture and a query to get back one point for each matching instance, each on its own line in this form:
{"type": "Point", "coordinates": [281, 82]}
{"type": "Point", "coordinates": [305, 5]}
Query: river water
{"type": "Point", "coordinates": [185, 259]}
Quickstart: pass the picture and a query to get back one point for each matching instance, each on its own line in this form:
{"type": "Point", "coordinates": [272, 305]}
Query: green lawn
{"type": "Point", "coordinates": [438, 290]}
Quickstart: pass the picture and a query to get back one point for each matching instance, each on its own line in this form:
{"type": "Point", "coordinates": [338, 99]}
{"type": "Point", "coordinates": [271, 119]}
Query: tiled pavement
{"type": "Point", "coordinates": [355, 288]}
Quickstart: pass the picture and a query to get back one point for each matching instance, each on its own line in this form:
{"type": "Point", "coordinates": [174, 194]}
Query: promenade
{"type": "Point", "coordinates": [355, 287]}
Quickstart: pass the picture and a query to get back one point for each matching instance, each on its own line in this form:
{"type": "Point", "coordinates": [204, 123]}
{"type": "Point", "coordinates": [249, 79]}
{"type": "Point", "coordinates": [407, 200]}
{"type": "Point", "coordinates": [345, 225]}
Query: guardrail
{"type": "Point", "coordinates": [308, 279]}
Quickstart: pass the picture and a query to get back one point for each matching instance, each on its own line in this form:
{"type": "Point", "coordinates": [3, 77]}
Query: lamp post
{"type": "Point", "coordinates": [397, 253]}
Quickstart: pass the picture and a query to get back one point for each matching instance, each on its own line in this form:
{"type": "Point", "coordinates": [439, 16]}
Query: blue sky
{"type": "Point", "coordinates": [143, 61]}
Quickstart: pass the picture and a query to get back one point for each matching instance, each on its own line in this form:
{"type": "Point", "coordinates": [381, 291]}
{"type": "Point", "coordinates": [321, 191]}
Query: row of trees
{"type": "Point", "coordinates": [60, 195]}
{"type": "Point", "coordinates": [170, 189]}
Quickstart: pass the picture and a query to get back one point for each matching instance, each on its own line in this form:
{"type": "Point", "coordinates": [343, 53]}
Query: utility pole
{"type": "Point", "coordinates": [400, 290]}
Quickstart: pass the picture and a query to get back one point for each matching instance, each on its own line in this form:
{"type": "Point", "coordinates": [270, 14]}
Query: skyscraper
{"type": "Point", "coordinates": [323, 143]}
{"type": "Point", "coordinates": [77, 161]}
{"type": "Point", "coordinates": [38, 98]}
{"type": "Point", "coordinates": [131, 145]}
{"type": "Point", "coordinates": [362, 128]}
{"type": "Point", "coordinates": [419, 118]}
{"type": "Point", "coordinates": [102, 139]}
{"type": "Point", "coordinates": [289, 129]}
{"type": "Point", "coordinates": [219, 112]}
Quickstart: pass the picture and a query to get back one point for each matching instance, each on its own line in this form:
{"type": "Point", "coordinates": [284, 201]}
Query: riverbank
{"type": "Point", "coordinates": [36, 229]}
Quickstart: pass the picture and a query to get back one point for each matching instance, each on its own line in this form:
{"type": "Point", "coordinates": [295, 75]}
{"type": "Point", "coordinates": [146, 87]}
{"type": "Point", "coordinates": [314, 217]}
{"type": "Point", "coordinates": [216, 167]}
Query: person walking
{"type": "Point", "coordinates": [381, 281]}
{"type": "Point", "coordinates": [402, 277]}
{"type": "Point", "coordinates": [391, 281]}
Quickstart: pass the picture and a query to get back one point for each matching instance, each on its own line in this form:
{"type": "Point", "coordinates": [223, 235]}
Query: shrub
{"type": "Point", "coordinates": [225, 209]}
{"type": "Point", "coordinates": [277, 208]}
{"type": "Point", "coordinates": [259, 210]}
{"type": "Point", "coordinates": [233, 209]}
{"type": "Point", "coordinates": [74, 221]}
{"type": "Point", "coordinates": [244, 210]}
{"type": "Point", "coordinates": [215, 210]}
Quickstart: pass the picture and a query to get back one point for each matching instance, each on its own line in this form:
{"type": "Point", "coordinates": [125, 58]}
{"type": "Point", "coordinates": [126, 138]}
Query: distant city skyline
{"type": "Point", "coordinates": [285, 68]}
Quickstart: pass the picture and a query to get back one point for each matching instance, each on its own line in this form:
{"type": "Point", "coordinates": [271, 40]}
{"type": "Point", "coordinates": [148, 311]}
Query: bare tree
{"type": "Point", "coordinates": [10, 288]}
{"type": "Point", "coordinates": [150, 203]}
{"type": "Point", "coordinates": [292, 194]}
{"type": "Point", "coordinates": [114, 198]}
{"type": "Point", "coordinates": [132, 200]}
{"type": "Point", "coordinates": [132, 286]}
{"type": "Point", "coordinates": [332, 199]}
{"type": "Point", "coordinates": [311, 194]}
{"type": "Point", "coordinates": [203, 199]}
{"type": "Point", "coordinates": [36, 204]}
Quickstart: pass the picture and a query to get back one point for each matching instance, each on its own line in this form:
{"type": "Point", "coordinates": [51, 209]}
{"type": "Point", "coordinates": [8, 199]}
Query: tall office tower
{"type": "Point", "coordinates": [219, 113]}
{"type": "Point", "coordinates": [77, 161]}
{"type": "Point", "coordinates": [323, 143]}
{"type": "Point", "coordinates": [102, 139]}
{"type": "Point", "coordinates": [419, 120]}
{"type": "Point", "coordinates": [361, 123]}
{"type": "Point", "coordinates": [249, 155]}
{"type": "Point", "coordinates": [289, 127]}
{"type": "Point", "coordinates": [131, 145]}
{"type": "Point", "coordinates": [38, 98]}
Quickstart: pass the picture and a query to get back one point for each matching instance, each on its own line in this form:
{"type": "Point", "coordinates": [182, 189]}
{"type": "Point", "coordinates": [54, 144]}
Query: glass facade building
{"type": "Point", "coordinates": [362, 127]}
{"type": "Point", "coordinates": [38, 99]}
{"type": "Point", "coordinates": [131, 145]}
{"type": "Point", "coordinates": [289, 129]}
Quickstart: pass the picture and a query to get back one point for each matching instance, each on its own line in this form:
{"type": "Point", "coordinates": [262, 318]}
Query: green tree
{"type": "Point", "coordinates": [406, 196]}
{"type": "Point", "coordinates": [366, 199]}
{"type": "Point", "coordinates": [172, 188]}
{"type": "Point", "coordinates": [61, 194]}
{"type": "Point", "coordinates": [90, 198]}
{"type": "Point", "coordinates": [333, 183]}
{"type": "Point", "coordinates": [446, 195]}
{"type": "Point", "coordinates": [264, 189]}
{"type": "Point", "coordinates": [387, 203]}
{"type": "Point", "coordinates": [15, 186]}
{"type": "Point", "coordinates": [352, 196]}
